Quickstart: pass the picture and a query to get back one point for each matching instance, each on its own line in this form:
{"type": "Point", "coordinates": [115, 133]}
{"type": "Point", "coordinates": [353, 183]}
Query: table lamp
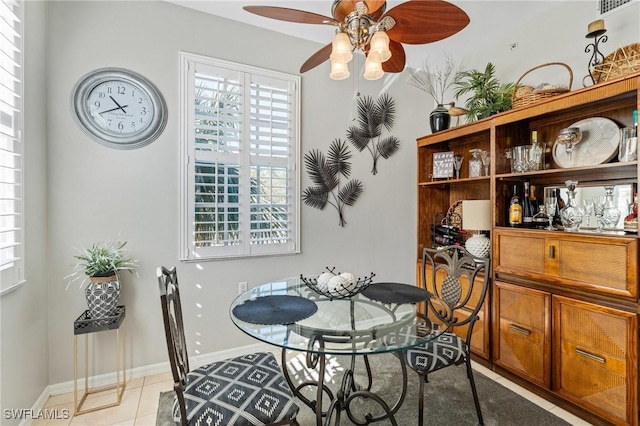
{"type": "Point", "coordinates": [476, 216]}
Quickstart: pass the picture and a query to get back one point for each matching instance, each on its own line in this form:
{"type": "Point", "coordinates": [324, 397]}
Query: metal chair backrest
{"type": "Point", "coordinates": [174, 332]}
{"type": "Point", "coordinates": [458, 279]}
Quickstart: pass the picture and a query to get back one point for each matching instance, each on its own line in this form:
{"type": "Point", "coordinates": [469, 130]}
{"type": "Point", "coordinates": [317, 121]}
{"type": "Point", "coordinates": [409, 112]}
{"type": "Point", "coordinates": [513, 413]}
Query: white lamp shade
{"type": "Point", "coordinates": [476, 215]}
{"type": "Point", "coordinates": [372, 69]}
{"type": "Point", "coordinates": [341, 49]}
{"type": "Point", "coordinates": [379, 50]}
{"type": "Point", "coordinates": [339, 70]}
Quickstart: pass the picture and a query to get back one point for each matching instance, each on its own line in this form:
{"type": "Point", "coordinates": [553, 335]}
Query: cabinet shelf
{"type": "Point", "coordinates": [461, 181]}
{"type": "Point", "coordinates": [600, 172]}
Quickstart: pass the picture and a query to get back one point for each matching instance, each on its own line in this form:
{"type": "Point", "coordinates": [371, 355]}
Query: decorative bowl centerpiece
{"type": "Point", "coordinates": [337, 285]}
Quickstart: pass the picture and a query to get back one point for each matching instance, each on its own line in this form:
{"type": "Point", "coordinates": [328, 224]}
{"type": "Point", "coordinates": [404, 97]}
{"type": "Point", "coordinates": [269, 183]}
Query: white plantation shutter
{"type": "Point", "coordinates": [240, 183]}
{"type": "Point", "coordinates": [11, 229]}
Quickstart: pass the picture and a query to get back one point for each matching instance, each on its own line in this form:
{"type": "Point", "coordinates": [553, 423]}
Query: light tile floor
{"type": "Point", "coordinates": [140, 403]}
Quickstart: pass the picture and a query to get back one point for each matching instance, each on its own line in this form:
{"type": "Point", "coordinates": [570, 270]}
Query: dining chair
{"type": "Point", "coordinates": [247, 390]}
{"type": "Point", "coordinates": [457, 282]}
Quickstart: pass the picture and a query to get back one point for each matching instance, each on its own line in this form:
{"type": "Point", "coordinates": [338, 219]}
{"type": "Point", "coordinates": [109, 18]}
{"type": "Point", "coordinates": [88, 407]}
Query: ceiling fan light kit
{"type": "Point", "coordinates": [365, 25]}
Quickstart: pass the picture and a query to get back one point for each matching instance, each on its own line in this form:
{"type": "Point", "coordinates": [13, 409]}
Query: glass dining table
{"type": "Point", "coordinates": [382, 318]}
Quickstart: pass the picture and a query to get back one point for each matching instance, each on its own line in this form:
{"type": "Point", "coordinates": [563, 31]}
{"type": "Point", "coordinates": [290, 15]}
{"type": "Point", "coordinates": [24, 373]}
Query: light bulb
{"type": "Point", "coordinates": [341, 48]}
{"type": "Point", "coordinates": [372, 69]}
{"type": "Point", "coordinates": [339, 70]}
{"type": "Point", "coordinates": [379, 50]}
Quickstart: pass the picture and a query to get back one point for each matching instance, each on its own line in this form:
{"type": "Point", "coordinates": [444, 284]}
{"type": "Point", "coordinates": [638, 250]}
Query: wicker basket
{"type": "Point", "coordinates": [623, 61]}
{"type": "Point", "coordinates": [527, 95]}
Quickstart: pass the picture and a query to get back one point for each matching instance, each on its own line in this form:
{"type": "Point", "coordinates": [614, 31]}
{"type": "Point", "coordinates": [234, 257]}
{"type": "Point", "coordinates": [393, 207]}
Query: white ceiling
{"type": "Point", "coordinates": [490, 20]}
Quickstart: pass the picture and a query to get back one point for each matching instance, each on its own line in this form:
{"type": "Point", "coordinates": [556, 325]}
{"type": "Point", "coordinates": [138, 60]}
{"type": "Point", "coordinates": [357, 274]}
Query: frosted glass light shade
{"type": "Point", "coordinates": [372, 69]}
{"type": "Point", "coordinates": [341, 49]}
{"type": "Point", "coordinates": [339, 71]}
{"type": "Point", "coordinates": [379, 50]}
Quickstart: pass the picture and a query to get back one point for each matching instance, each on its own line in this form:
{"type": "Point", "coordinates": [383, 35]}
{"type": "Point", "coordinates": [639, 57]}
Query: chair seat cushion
{"type": "Point", "coordinates": [447, 349]}
{"type": "Point", "coordinates": [246, 390]}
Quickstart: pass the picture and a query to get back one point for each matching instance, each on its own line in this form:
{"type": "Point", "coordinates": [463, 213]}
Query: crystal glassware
{"type": "Point", "coordinates": [598, 211]}
{"type": "Point", "coordinates": [611, 214]}
{"type": "Point", "coordinates": [569, 137]}
{"type": "Point", "coordinates": [587, 206]}
{"type": "Point", "coordinates": [571, 214]}
{"type": "Point", "coordinates": [457, 164]}
{"type": "Point", "coordinates": [485, 157]}
{"type": "Point", "coordinates": [550, 207]}
{"type": "Point", "coordinates": [475, 164]}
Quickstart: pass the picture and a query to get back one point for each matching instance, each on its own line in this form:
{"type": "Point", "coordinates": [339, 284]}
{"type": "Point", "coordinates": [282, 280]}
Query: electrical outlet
{"type": "Point", "coordinates": [242, 287]}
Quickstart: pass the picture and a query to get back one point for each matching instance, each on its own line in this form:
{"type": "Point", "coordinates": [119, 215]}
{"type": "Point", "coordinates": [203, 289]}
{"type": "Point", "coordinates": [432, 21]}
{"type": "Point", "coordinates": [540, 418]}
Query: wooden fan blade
{"type": "Point", "coordinates": [316, 59]}
{"type": "Point", "coordinates": [344, 7]}
{"type": "Point", "coordinates": [290, 15]}
{"type": "Point", "coordinates": [420, 22]}
{"type": "Point", "coordinates": [397, 60]}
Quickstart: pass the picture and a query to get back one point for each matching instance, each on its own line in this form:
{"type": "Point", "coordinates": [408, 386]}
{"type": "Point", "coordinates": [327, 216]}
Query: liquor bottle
{"type": "Point", "coordinates": [536, 152]}
{"type": "Point", "coordinates": [515, 208]}
{"type": "Point", "coordinates": [535, 206]}
{"type": "Point", "coordinates": [559, 206]}
{"type": "Point", "coordinates": [527, 210]}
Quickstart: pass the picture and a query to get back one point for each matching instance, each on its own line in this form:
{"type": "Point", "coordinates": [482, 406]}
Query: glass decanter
{"type": "Point", "coordinates": [611, 214]}
{"type": "Point", "coordinates": [475, 163]}
{"type": "Point", "coordinates": [571, 214]}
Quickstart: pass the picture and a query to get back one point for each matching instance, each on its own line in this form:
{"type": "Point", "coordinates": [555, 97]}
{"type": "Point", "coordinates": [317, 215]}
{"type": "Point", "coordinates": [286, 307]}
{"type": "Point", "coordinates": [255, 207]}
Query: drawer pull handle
{"type": "Point", "coordinates": [590, 356]}
{"type": "Point", "coordinates": [552, 252]}
{"type": "Point", "coordinates": [519, 329]}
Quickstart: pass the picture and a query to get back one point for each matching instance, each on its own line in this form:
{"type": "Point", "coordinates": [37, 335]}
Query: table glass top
{"type": "Point", "coordinates": [355, 325]}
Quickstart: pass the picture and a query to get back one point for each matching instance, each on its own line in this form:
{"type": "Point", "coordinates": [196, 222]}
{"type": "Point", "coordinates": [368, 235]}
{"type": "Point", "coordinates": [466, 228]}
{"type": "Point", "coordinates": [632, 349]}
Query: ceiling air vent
{"type": "Point", "coordinates": [606, 6]}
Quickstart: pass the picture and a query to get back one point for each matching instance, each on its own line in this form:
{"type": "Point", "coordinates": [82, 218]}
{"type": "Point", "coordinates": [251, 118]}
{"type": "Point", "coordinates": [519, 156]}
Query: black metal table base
{"type": "Point", "coordinates": [348, 392]}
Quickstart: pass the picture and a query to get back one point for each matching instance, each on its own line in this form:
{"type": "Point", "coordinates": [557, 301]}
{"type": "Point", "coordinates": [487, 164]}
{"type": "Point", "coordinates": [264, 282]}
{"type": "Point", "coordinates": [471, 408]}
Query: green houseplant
{"type": "Point", "coordinates": [488, 95]}
{"type": "Point", "coordinates": [98, 267]}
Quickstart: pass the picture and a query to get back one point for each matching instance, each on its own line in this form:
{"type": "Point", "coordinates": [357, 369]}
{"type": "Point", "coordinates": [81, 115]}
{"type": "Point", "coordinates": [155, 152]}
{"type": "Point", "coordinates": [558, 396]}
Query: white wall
{"type": "Point", "coordinates": [23, 312]}
{"type": "Point", "coordinates": [97, 193]}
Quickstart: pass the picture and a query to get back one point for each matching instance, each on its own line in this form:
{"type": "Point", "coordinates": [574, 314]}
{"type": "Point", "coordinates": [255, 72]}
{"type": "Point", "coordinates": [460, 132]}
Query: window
{"type": "Point", "coordinates": [240, 144]}
{"type": "Point", "coordinates": [11, 233]}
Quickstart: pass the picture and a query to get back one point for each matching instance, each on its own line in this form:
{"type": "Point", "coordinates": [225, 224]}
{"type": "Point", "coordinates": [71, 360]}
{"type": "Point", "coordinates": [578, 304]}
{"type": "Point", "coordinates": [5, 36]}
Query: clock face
{"type": "Point", "coordinates": [118, 108]}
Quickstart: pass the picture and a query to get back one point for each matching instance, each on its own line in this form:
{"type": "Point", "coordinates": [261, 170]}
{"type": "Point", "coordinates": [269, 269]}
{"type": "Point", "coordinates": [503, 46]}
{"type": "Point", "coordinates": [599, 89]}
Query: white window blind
{"type": "Point", "coordinates": [240, 150]}
{"type": "Point", "coordinates": [11, 230]}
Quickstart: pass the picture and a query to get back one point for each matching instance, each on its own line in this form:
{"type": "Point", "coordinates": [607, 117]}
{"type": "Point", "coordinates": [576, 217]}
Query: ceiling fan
{"type": "Point", "coordinates": [366, 25]}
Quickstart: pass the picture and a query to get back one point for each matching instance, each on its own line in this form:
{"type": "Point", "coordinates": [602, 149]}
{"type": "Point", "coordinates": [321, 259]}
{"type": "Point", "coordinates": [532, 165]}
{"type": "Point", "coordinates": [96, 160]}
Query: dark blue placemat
{"type": "Point", "coordinates": [395, 293]}
{"type": "Point", "coordinates": [279, 309]}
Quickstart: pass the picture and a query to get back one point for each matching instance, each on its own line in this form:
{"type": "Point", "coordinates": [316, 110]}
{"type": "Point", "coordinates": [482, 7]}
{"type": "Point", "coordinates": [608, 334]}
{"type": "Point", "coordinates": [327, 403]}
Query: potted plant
{"type": "Point", "coordinates": [435, 82]}
{"type": "Point", "coordinates": [488, 95]}
{"type": "Point", "coordinates": [99, 266]}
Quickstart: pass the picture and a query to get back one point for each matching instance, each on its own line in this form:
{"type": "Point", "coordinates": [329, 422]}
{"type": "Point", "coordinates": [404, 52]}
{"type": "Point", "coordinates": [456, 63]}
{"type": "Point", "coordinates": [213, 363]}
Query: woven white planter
{"type": "Point", "coordinates": [102, 295]}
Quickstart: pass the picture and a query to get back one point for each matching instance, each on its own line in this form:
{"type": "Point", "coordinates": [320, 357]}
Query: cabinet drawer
{"type": "Point", "coordinates": [595, 349]}
{"type": "Point", "coordinates": [522, 332]}
{"type": "Point", "coordinates": [604, 264]}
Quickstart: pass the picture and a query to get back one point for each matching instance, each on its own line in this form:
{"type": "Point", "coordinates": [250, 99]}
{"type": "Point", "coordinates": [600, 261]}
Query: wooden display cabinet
{"type": "Point", "coordinates": [551, 288]}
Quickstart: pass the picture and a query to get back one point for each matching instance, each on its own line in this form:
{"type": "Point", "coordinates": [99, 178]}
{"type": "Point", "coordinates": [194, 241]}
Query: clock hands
{"type": "Point", "coordinates": [119, 107]}
{"type": "Point", "coordinates": [113, 109]}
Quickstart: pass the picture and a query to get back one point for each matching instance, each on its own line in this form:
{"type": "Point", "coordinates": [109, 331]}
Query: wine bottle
{"type": "Point", "coordinates": [559, 206]}
{"type": "Point", "coordinates": [527, 210]}
{"type": "Point", "coordinates": [535, 206]}
{"type": "Point", "coordinates": [515, 208]}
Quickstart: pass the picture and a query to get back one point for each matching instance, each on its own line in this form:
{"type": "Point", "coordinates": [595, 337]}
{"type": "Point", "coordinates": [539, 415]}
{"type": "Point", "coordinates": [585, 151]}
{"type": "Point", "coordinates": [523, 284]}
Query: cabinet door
{"type": "Point", "coordinates": [595, 358]}
{"type": "Point", "coordinates": [522, 332]}
{"type": "Point", "coordinates": [480, 336]}
{"type": "Point", "coordinates": [603, 264]}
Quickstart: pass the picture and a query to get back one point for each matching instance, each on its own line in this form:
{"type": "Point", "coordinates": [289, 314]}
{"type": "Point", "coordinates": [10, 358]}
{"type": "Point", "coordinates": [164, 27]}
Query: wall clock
{"type": "Point", "coordinates": [118, 108]}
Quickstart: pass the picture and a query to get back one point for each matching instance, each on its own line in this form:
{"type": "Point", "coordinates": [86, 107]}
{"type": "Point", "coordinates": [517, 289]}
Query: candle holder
{"type": "Point", "coordinates": [596, 31]}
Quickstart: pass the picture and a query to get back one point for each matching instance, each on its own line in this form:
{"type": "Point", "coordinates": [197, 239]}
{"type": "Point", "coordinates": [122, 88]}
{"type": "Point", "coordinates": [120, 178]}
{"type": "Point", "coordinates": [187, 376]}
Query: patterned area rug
{"type": "Point", "coordinates": [448, 397]}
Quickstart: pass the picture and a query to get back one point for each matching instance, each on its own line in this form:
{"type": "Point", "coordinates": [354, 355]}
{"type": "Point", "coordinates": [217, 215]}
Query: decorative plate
{"type": "Point", "coordinates": [599, 144]}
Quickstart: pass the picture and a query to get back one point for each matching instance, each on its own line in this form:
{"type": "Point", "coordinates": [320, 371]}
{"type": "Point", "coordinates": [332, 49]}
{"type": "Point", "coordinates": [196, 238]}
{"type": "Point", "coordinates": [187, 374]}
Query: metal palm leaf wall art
{"type": "Point", "coordinates": [326, 173]}
{"type": "Point", "coordinates": [373, 118]}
